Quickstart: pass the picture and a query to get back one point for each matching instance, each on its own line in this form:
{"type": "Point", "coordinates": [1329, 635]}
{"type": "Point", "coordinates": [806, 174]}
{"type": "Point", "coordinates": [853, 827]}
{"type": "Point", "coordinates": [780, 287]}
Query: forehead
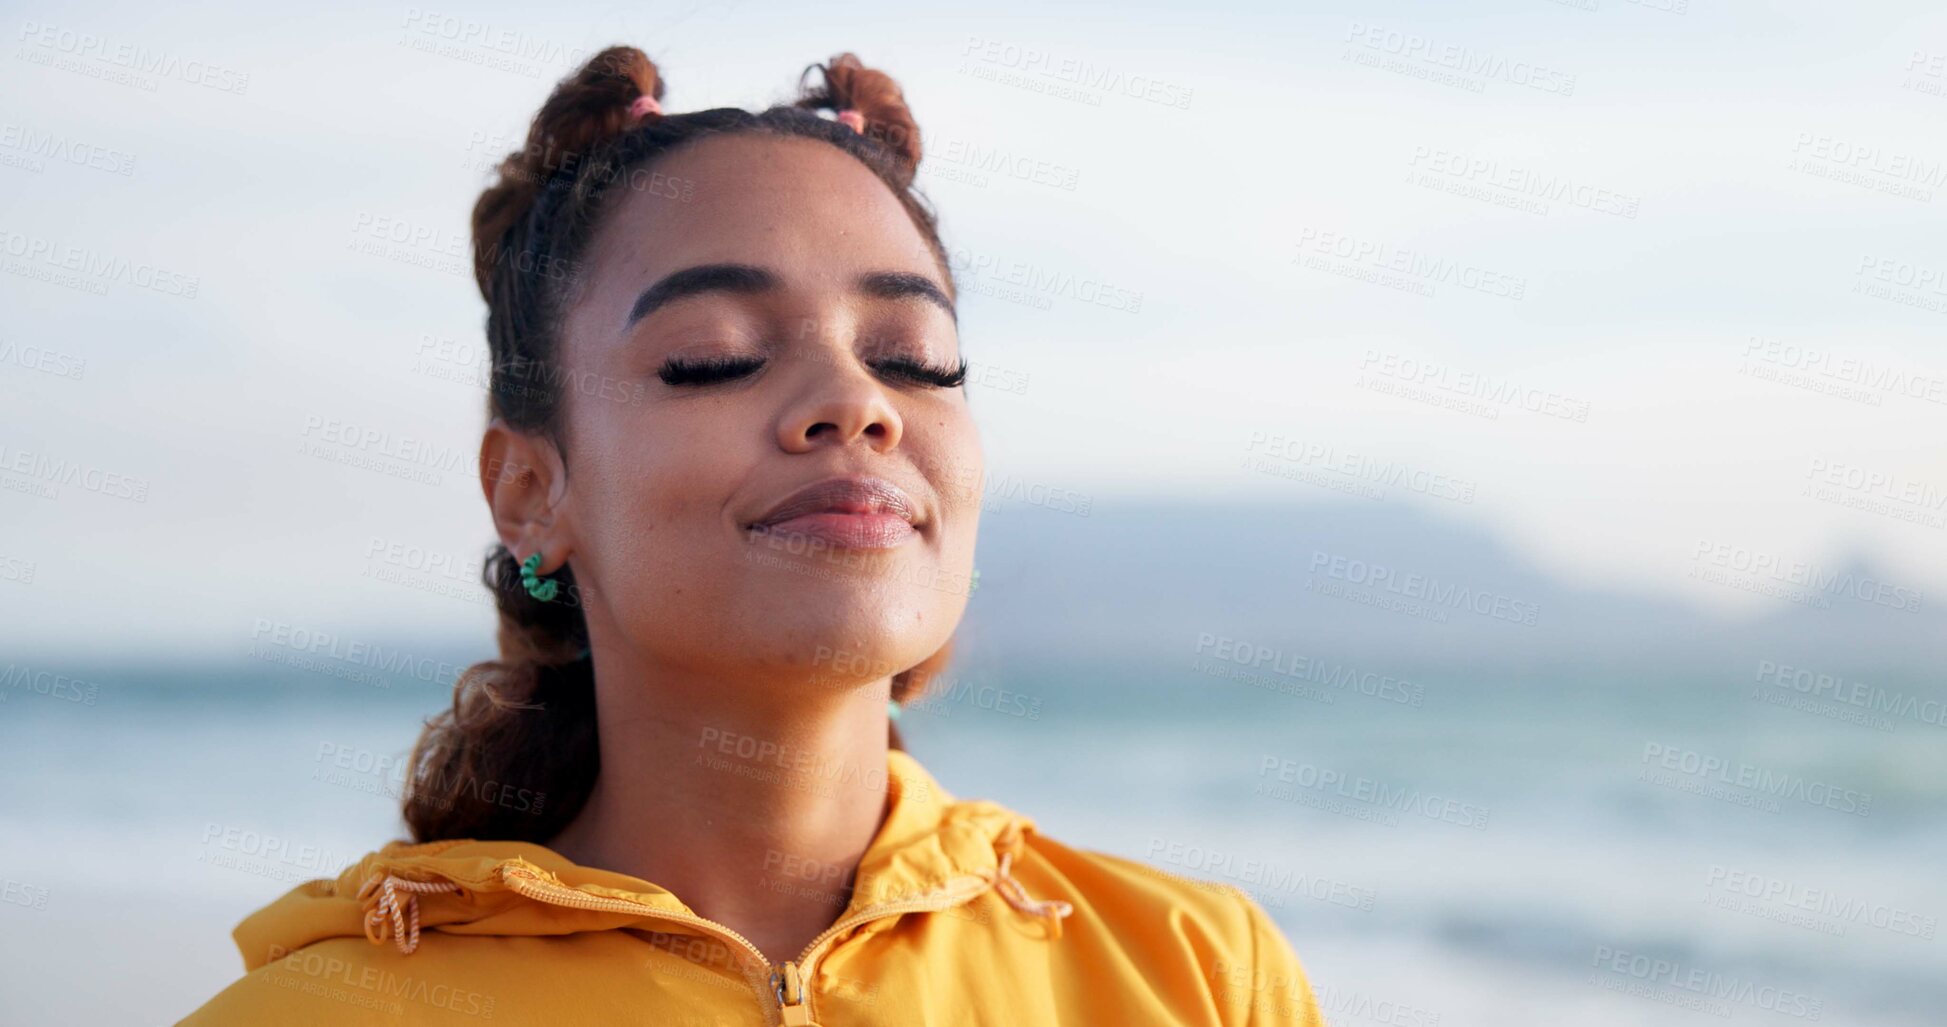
{"type": "Point", "coordinates": [801, 207]}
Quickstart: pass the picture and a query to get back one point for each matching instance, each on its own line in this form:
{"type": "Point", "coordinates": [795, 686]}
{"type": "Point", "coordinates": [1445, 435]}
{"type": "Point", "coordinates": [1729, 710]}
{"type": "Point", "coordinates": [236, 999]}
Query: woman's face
{"type": "Point", "coordinates": [797, 355]}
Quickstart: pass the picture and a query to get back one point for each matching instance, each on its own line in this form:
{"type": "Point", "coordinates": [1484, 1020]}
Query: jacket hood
{"type": "Point", "coordinates": [931, 851]}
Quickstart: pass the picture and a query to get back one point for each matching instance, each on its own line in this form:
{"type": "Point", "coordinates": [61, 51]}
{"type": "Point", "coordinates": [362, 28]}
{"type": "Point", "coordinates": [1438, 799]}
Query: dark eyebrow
{"type": "Point", "coordinates": [691, 281]}
{"type": "Point", "coordinates": [746, 278]}
{"type": "Point", "coordinates": [893, 285]}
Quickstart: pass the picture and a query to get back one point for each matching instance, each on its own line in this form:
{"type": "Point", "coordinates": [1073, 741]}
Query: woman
{"type": "Point", "coordinates": [737, 487]}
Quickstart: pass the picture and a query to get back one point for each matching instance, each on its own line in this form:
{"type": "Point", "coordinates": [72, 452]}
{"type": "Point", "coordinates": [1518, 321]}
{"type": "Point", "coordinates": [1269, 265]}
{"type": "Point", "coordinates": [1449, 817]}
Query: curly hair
{"type": "Point", "coordinates": [529, 716]}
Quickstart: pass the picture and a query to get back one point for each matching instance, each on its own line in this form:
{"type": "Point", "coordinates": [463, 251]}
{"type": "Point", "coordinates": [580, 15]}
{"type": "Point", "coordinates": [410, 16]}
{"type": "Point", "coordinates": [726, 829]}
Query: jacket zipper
{"type": "Point", "coordinates": [784, 984]}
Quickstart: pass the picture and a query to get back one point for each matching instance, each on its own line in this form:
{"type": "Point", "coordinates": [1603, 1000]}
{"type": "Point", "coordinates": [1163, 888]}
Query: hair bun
{"type": "Point", "coordinates": [586, 108]}
{"type": "Point", "coordinates": [592, 105]}
{"type": "Point", "coordinates": [874, 94]}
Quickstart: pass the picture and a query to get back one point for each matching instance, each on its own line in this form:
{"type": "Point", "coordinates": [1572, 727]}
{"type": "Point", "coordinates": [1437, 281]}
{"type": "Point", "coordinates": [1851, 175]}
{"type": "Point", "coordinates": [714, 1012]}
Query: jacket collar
{"type": "Point", "coordinates": [928, 844]}
{"type": "Point", "coordinates": [929, 839]}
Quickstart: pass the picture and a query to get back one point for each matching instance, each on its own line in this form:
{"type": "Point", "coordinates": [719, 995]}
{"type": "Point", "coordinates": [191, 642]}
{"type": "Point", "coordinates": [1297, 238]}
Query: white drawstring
{"type": "Point", "coordinates": [389, 912]}
{"type": "Point", "coordinates": [1050, 909]}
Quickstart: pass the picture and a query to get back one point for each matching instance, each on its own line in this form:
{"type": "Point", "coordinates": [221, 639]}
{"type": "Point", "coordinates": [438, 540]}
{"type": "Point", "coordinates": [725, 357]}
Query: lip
{"type": "Point", "coordinates": [852, 512]}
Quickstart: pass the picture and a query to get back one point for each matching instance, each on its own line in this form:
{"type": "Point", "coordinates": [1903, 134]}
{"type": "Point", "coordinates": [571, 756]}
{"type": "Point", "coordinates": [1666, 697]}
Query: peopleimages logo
{"type": "Point", "coordinates": [1722, 556]}
{"type": "Point", "coordinates": [1831, 687]}
{"type": "Point", "coordinates": [1272, 880]}
{"type": "Point", "coordinates": [1280, 777]}
{"type": "Point", "coordinates": [352, 652]}
{"type": "Point", "coordinates": [92, 268]}
{"type": "Point", "coordinates": [1791, 899]}
{"type": "Point", "coordinates": [1423, 588]}
{"type": "Point", "coordinates": [372, 987]}
{"type": "Point", "coordinates": [1301, 667]}
{"type": "Point", "coordinates": [1412, 266]}
{"type": "Point", "coordinates": [63, 149]}
{"type": "Point", "coordinates": [1705, 983]}
{"type": "Point", "coordinates": [1313, 453]}
{"type": "Point", "coordinates": [1826, 367]}
{"type": "Point", "coordinates": [518, 44]}
{"type": "Point", "coordinates": [40, 473]}
{"type": "Point", "coordinates": [1470, 384]}
{"type": "Point", "coordinates": [135, 59]}
{"type": "Point", "coordinates": [1076, 71]}
{"type": "Point", "coordinates": [1476, 65]}
{"type": "Point", "coordinates": [1718, 770]}
{"type": "Point", "coordinates": [1526, 183]}
{"type": "Point", "coordinates": [47, 683]}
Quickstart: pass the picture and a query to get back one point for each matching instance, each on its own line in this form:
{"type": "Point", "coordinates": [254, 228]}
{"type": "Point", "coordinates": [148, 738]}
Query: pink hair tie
{"type": "Point", "coordinates": [644, 106]}
{"type": "Point", "coordinates": [853, 118]}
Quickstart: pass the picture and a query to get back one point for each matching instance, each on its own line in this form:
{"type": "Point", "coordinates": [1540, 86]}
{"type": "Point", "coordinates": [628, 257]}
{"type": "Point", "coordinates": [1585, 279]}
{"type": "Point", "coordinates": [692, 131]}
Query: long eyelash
{"type": "Point", "coordinates": [707, 369]}
{"type": "Point", "coordinates": [929, 374]}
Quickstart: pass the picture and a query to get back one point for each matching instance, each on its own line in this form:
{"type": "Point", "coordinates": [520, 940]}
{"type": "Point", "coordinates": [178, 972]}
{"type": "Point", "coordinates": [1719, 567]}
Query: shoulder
{"type": "Point", "coordinates": [352, 982]}
{"type": "Point", "coordinates": [1127, 888]}
{"type": "Point", "coordinates": [325, 984]}
{"type": "Point", "coordinates": [1179, 926]}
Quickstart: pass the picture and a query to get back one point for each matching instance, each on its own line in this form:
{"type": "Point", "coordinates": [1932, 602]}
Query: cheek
{"type": "Point", "coordinates": [950, 457]}
{"type": "Point", "coordinates": [961, 446]}
{"type": "Point", "coordinates": [652, 486]}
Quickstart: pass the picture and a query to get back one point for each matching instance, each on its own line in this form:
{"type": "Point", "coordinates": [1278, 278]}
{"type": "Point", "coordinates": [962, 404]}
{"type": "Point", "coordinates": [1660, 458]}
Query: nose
{"type": "Point", "coordinates": [840, 402]}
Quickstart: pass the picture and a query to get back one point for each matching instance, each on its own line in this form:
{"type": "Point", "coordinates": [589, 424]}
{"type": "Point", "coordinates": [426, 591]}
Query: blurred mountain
{"type": "Point", "coordinates": [1149, 581]}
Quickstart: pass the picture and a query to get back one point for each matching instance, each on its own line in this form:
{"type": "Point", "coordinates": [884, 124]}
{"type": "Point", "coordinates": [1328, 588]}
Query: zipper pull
{"type": "Point", "coordinates": [792, 1002]}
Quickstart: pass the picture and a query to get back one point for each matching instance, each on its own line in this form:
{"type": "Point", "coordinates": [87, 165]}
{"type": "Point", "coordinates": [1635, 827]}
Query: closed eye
{"type": "Point", "coordinates": [706, 370]}
{"type": "Point", "coordinates": [933, 375]}
{"type": "Point", "coordinates": [710, 370]}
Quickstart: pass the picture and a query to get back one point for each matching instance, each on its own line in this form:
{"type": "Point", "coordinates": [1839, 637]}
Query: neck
{"type": "Point", "coordinates": [753, 805]}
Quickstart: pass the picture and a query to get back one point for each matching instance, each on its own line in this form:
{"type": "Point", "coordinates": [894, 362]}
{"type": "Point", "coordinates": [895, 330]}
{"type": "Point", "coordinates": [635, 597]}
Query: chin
{"type": "Point", "coordinates": [854, 642]}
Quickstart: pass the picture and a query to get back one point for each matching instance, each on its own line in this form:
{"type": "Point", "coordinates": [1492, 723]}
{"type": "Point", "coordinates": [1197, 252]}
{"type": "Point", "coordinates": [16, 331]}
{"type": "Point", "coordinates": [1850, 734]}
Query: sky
{"type": "Point", "coordinates": [1632, 285]}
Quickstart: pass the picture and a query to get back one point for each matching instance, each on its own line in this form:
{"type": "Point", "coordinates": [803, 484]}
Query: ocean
{"type": "Point", "coordinates": [1441, 849]}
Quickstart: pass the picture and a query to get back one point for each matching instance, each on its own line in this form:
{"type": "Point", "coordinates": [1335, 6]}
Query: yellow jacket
{"type": "Point", "coordinates": [961, 914]}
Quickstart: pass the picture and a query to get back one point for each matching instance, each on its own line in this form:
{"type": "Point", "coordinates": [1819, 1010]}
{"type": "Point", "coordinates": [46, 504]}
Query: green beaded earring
{"type": "Point", "coordinates": [544, 590]}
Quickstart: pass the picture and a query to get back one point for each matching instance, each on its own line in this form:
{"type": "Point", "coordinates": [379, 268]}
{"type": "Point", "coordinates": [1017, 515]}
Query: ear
{"type": "Point", "coordinates": [526, 485]}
